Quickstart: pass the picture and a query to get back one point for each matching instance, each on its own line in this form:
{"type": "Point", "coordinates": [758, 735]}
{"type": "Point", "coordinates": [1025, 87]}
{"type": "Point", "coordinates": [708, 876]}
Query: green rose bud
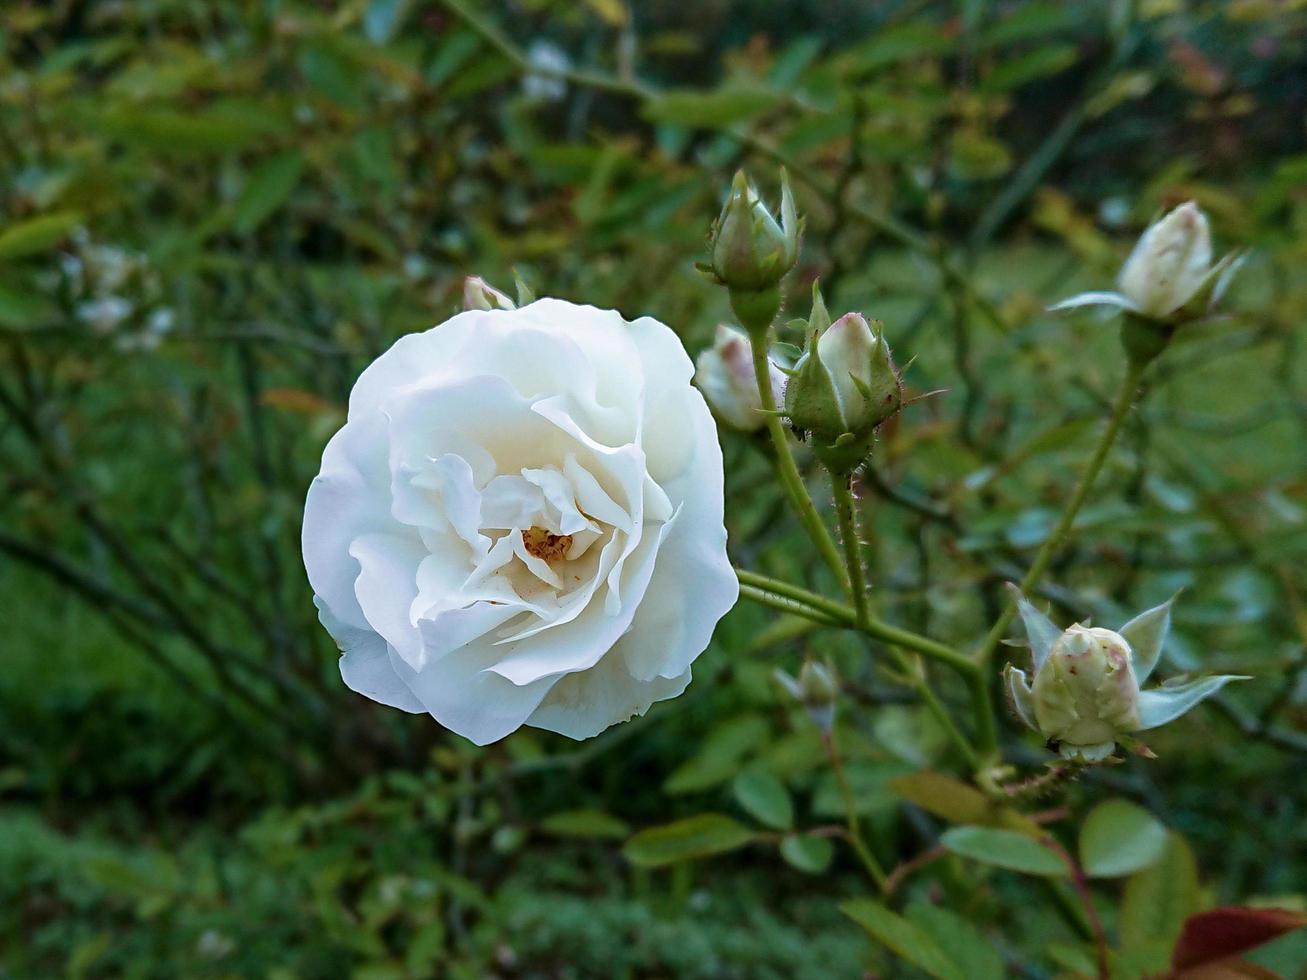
{"type": "Point", "coordinates": [1087, 692]}
{"type": "Point", "coordinates": [752, 252]}
{"type": "Point", "coordinates": [843, 387]}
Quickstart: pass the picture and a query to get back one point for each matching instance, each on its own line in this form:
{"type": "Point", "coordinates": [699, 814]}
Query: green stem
{"type": "Point", "coordinates": [854, 825]}
{"type": "Point", "coordinates": [1057, 537]}
{"type": "Point", "coordinates": [848, 618]}
{"type": "Point", "coordinates": [785, 604]}
{"type": "Point", "coordinates": [791, 479]}
{"type": "Point", "coordinates": [848, 520]}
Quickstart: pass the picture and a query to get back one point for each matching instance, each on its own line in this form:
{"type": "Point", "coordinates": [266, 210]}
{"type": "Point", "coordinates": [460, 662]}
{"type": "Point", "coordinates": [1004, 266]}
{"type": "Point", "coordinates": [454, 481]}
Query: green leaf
{"type": "Point", "coordinates": [807, 853]}
{"type": "Point", "coordinates": [1014, 72]}
{"type": "Point", "coordinates": [903, 939]}
{"type": "Point", "coordinates": [585, 824]}
{"type": "Point", "coordinates": [693, 837]}
{"type": "Point", "coordinates": [334, 75]}
{"type": "Point", "coordinates": [1158, 899]}
{"type": "Point", "coordinates": [719, 757]}
{"type": "Point", "coordinates": [944, 796]}
{"type": "Point", "coordinates": [720, 107]}
{"type": "Point", "coordinates": [37, 234]}
{"type": "Point", "coordinates": [271, 182]}
{"type": "Point", "coordinates": [959, 939]}
{"type": "Point", "coordinates": [176, 133]}
{"type": "Point", "coordinates": [1118, 838]}
{"type": "Point", "coordinates": [1005, 849]}
{"type": "Point", "coordinates": [764, 798]}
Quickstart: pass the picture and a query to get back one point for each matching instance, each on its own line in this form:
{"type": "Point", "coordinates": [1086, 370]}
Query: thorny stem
{"type": "Point", "coordinates": [848, 519]}
{"type": "Point", "coordinates": [1057, 537]}
{"type": "Point", "coordinates": [841, 485]}
{"type": "Point", "coordinates": [856, 840]}
{"type": "Point", "coordinates": [791, 479]}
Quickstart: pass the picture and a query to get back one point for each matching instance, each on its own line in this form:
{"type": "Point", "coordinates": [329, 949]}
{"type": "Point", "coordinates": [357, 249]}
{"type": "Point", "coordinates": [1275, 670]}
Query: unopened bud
{"type": "Point", "coordinates": [480, 295]}
{"type": "Point", "coordinates": [1086, 694]}
{"type": "Point", "coordinates": [843, 387]}
{"type": "Point", "coordinates": [752, 251]}
{"type": "Point", "coordinates": [724, 373]}
{"type": "Point", "coordinates": [816, 689]}
{"type": "Point", "coordinates": [1168, 279]}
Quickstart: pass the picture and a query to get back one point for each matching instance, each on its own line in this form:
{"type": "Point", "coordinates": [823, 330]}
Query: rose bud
{"type": "Point", "coordinates": [1168, 279]}
{"type": "Point", "coordinates": [752, 252]}
{"type": "Point", "coordinates": [1086, 694]}
{"type": "Point", "coordinates": [480, 295]}
{"type": "Point", "coordinates": [724, 373]}
{"type": "Point", "coordinates": [816, 689]}
{"type": "Point", "coordinates": [843, 387]}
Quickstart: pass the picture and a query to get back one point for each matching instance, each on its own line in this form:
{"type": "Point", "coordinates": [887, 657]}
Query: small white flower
{"type": "Point", "coordinates": [1169, 277]}
{"type": "Point", "coordinates": [724, 373]}
{"type": "Point", "coordinates": [521, 522]}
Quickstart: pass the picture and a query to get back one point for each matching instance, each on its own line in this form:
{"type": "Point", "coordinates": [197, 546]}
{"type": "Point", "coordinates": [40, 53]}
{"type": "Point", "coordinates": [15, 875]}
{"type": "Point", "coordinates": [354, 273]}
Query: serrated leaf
{"type": "Point", "coordinates": [764, 798]}
{"type": "Point", "coordinates": [270, 184]}
{"type": "Point", "coordinates": [693, 837]}
{"type": "Point", "coordinates": [807, 853]}
{"type": "Point", "coordinates": [1005, 849]}
{"type": "Point", "coordinates": [902, 938]}
{"type": "Point", "coordinates": [33, 235]}
{"type": "Point", "coordinates": [586, 823]}
{"type": "Point", "coordinates": [1119, 838]}
{"type": "Point", "coordinates": [1158, 899]}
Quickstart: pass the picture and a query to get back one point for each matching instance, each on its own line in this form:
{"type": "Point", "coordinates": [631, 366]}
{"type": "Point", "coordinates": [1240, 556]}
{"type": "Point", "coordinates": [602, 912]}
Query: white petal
{"type": "Point", "coordinates": [466, 698]}
{"type": "Point", "coordinates": [583, 705]}
{"type": "Point", "coordinates": [387, 586]}
{"type": "Point", "coordinates": [348, 498]}
{"type": "Point", "coordinates": [365, 665]}
{"type": "Point", "coordinates": [693, 585]}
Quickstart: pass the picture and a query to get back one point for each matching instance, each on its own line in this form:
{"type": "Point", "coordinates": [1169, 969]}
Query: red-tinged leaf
{"type": "Point", "coordinates": [1231, 969]}
{"type": "Point", "coordinates": [1222, 933]}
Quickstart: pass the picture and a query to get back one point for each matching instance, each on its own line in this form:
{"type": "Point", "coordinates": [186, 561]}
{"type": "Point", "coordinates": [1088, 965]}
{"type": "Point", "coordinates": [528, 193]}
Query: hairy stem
{"type": "Point", "coordinates": [848, 519]}
{"type": "Point", "coordinates": [791, 479]}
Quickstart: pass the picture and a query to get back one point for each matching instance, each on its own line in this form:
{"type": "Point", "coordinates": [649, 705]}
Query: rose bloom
{"type": "Point", "coordinates": [521, 522]}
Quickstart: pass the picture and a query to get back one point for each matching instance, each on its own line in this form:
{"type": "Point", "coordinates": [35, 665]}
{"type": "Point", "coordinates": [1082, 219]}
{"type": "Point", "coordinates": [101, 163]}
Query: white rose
{"type": "Point", "coordinates": [521, 522]}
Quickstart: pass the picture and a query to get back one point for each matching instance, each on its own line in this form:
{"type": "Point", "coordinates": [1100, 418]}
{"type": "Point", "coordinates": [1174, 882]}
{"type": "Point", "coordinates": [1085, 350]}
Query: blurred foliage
{"type": "Point", "coordinates": [214, 214]}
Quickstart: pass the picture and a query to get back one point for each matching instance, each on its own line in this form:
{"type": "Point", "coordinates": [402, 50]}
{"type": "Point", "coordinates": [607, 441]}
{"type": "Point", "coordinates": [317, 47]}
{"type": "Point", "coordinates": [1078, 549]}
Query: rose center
{"type": "Point", "coordinates": [546, 545]}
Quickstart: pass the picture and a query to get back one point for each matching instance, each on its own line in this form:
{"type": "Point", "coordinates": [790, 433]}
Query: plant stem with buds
{"type": "Point", "coordinates": [791, 479]}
